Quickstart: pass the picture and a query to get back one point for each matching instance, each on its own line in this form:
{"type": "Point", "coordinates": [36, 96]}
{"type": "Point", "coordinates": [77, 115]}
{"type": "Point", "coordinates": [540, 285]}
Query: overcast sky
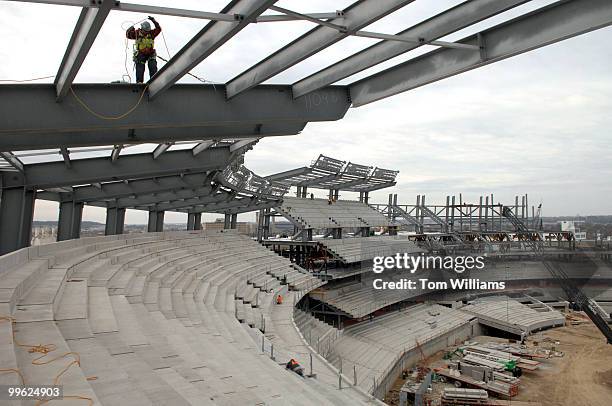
{"type": "Point", "coordinates": [538, 123]}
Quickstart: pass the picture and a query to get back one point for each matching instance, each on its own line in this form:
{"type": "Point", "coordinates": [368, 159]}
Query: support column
{"type": "Point", "coordinates": [304, 192]}
{"type": "Point", "coordinates": [69, 221]}
{"type": "Point", "coordinates": [266, 224]}
{"type": "Point", "coordinates": [156, 221]}
{"type": "Point", "coordinates": [16, 214]}
{"type": "Point", "coordinates": [259, 221]}
{"type": "Point", "coordinates": [234, 221]}
{"type": "Point", "coordinates": [366, 197]}
{"type": "Point", "coordinates": [197, 221]}
{"type": "Point", "coordinates": [115, 219]}
{"type": "Point", "coordinates": [190, 221]}
{"type": "Point", "coordinates": [226, 221]}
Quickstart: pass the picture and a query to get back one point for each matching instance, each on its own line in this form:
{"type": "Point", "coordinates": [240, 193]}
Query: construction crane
{"type": "Point", "coordinates": [573, 292]}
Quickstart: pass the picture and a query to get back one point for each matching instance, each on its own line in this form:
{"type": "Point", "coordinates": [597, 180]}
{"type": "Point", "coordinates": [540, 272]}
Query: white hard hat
{"type": "Point", "coordinates": [146, 26]}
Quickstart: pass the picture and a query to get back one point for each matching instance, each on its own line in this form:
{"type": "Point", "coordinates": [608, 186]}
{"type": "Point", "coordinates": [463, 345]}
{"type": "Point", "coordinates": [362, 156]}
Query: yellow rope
{"type": "Point", "coordinates": [26, 80]}
{"type": "Point", "coordinates": [104, 117]}
{"type": "Point", "coordinates": [44, 350]}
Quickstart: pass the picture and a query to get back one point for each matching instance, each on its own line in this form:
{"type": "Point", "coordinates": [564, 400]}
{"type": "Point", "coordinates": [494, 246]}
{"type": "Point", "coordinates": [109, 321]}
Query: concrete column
{"type": "Point", "coordinates": [197, 221]}
{"type": "Point", "coordinates": [260, 224]}
{"type": "Point", "coordinates": [190, 221]}
{"type": "Point", "coordinates": [304, 192]}
{"type": "Point", "coordinates": [160, 221]}
{"type": "Point", "coordinates": [16, 214]}
{"type": "Point", "coordinates": [234, 221]}
{"type": "Point", "coordinates": [156, 221]}
{"type": "Point", "coordinates": [69, 221]}
{"type": "Point", "coordinates": [115, 219]}
{"type": "Point", "coordinates": [266, 224]}
{"type": "Point", "coordinates": [226, 221]}
{"type": "Point", "coordinates": [366, 197]}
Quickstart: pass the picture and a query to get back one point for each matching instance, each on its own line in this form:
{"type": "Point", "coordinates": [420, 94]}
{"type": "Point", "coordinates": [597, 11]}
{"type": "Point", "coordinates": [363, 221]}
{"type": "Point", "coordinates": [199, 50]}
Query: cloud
{"type": "Point", "coordinates": [537, 123]}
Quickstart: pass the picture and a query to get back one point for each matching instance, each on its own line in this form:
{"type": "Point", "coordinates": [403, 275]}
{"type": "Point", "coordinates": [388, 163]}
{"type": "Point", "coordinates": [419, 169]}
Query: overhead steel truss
{"type": "Point", "coordinates": [334, 174]}
{"type": "Point", "coordinates": [218, 123]}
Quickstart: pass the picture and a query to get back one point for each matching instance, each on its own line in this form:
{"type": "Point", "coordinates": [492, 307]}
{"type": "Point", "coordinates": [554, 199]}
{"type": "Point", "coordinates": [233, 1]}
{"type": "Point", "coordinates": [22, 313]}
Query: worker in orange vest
{"type": "Point", "coordinates": [295, 367]}
{"type": "Point", "coordinates": [279, 299]}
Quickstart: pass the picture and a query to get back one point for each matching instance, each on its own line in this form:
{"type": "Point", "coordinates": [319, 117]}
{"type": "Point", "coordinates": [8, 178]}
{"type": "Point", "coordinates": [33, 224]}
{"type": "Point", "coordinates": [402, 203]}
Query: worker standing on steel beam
{"type": "Point", "coordinates": [144, 47]}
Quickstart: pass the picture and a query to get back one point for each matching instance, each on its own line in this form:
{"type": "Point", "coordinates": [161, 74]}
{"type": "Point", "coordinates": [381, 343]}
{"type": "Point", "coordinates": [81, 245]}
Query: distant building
{"type": "Point", "coordinates": [243, 227]}
{"type": "Point", "coordinates": [570, 225]}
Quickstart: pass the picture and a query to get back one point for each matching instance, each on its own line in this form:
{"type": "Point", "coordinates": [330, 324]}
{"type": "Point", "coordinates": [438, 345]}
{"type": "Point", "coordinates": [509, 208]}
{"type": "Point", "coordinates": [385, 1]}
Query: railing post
{"type": "Point", "coordinates": [310, 364]}
{"type": "Point", "coordinates": [263, 348]}
{"type": "Point", "coordinates": [340, 375]}
{"type": "Point", "coordinates": [355, 375]}
{"type": "Point", "coordinates": [272, 351]}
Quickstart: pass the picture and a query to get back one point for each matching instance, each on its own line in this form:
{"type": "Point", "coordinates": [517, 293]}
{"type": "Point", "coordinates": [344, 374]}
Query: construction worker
{"type": "Point", "coordinates": [295, 367]}
{"type": "Point", "coordinates": [144, 48]}
{"type": "Point", "coordinates": [279, 299]}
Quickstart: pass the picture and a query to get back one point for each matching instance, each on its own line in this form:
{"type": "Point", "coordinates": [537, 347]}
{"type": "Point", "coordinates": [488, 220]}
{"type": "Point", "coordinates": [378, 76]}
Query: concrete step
{"type": "Point", "coordinates": [73, 380]}
{"type": "Point", "coordinates": [100, 310]}
{"type": "Point", "coordinates": [73, 302]}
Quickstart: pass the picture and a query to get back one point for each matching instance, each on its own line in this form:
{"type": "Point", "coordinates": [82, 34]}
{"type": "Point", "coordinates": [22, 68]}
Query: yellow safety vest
{"type": "Point", "coordinates": [144, 43]}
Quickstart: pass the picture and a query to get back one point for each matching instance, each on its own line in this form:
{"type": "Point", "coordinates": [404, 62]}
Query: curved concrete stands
{"type": "Point", "coordinates": [154, 319]}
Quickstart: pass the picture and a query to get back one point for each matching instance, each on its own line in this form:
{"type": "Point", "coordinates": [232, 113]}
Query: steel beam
{"type": "Point", "coordinates": [207, 41]}
{"type": "Point", "coordinates": [176, 204]}
{"type": "Point", "coordinates": [156, 198]}
{"type": "Point", "coordinates": [69, 221]}
{"type": "Point", "coordinates": [177, 12]}
{"type": "Point", "coordinates": [76, 3]}
{"type": "Point", "coordinates": [545, 26]}
{"type": "Point", "coordinates": [186, 112]}
{"type": "Point", "coordinates": [141, 187]}
{"type": "Point", "coordinates": [13, 160]}
{"type": "Point", "coordinates": [289, 174]}
{"type": "Point", "coordinates": [87, 28]}
{"type": "Point", "coordinates": [235, 206]}
{"type": "Point", "coordinates": [243, 143]}
{"type": "Point", "coordinates": [25, 141]}
{"type": "Point", "coordinates": [161, 148]}
{"type": "Point", "coordinates": [85, 171]}
{"type": "Point", "coordinates": [378, 187]}
{"type": "Point", "coordinates": [356, 16]}
{"type": "Point", "coordinates": [202, 146]}
{"type": "Point", "coordinates": [65, 156]}
{"type": "Point", "coordinates": [454, 19]}
{"type": "Point", "coordinates": [284, 17]}
{"type": "Point", "coordinates": [16, 214]}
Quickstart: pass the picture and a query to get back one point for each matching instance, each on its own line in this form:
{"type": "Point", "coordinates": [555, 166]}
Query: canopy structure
{"type": "Point", "coordinates": [189, 139]}
{"type": "Point", "coordinates": [334, 174]}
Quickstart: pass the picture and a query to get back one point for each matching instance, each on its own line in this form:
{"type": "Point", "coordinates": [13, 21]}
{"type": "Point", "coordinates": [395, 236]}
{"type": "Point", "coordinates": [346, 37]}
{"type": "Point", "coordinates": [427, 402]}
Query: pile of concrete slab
{"type": "Point", "coordinates": [504, 313]}
{"type": "Point", "coordinates": [151, 319]}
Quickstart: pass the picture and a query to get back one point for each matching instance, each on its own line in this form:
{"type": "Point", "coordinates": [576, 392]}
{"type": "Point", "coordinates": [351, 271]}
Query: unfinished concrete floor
{"type": "Point", "coordinates": [583, 377]}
